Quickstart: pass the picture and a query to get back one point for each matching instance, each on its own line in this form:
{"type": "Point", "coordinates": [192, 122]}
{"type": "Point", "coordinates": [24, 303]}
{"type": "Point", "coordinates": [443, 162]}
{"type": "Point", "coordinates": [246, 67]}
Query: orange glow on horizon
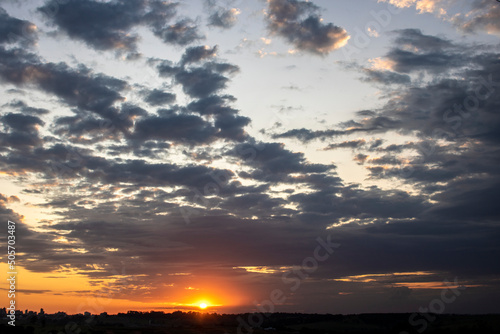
{"type": "Point", "coordinates": [108, 296]}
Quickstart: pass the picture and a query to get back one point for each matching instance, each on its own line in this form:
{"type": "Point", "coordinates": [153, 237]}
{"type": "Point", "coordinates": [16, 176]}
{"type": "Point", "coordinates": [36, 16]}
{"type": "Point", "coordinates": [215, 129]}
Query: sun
{"type": "Point", "coordinates": [203, 306]}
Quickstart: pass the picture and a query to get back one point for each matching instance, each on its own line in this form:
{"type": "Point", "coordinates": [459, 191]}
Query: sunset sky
{"type": "Point", "coordinates": [158, 155]}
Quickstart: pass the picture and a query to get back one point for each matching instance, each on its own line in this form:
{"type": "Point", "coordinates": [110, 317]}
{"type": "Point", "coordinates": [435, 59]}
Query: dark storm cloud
{"type": "Point", "coordinates": [441, 105]}
{"type": "Point", "coordinates": [24, 108]}
{"type": "Point", "coordinates": [408, 61]}
{"type": "Point", "coordinates": [109, 25]}
{"type": "Point", "coordinates": [273, 163]}
{"type": "Point", "coordinates": [142, 173]}
{"type": "Point", "coordinates": [367, 125]}
{"type": "Point", "coordinates": [156, 242]}
{"type": "Point", "coordinates": [102, 25]}
{"type": "Point", "coordinates": [191, 129]}
{"type": "Point", "coordinates": [34, 240]}
{"type": "Point", "coordinates": [79, 87]}
{"type": "Point", "coordinates": [18, 140]}
{"type": "Point", "coordinates": [347, 144]}
{"type": "Point", "coordinates": [417, 51]}
{"type": "Point", "coordinates": [153, 149]}
{"type": "Point", "coordinates": [13, 30]}
{"type": "Point", "coordinates": [232, 126]}
{"type": "Point", "coordinates": [74, 128]}
{"type": "Point", "coordinates": [413, 52]}
{"type": "Point", "coordinates": [100, 94]}
{"type": "Point", "coordinates": [464, 200]}
{"type": "Point", "coordinates": [157, 97]}
{"type": "Point", "coordinates": [66, 161]}
{"type": "Point", "coordinates": [299, 23]}
{"type": "Point", "coordinates": [166, 68]}
{"type": "Point", "coordinates": [223, 18]}
{"type": "Point", "coordinates": [22, 123]}
{"type": "Point", "coordinates": [306, 135]}
{"type": "Point", "coordinates": [183, 32]}
{"type": "Point", "coordinates": [173, 242]}
{"type": "Point", "coordinates": [20, 131]}
{"type": "Point", "coordinates": [333, 201]}
{"type": "Point", "coordinates": [197, 81]}
{"type": "Point", "coordinates": [175, 127]}
{"type": "Point", "coordinates": [452, 159]}
{"type": "Point", "coordinates": [198, 53]}
{"type": "Point", "coordinates": [362, 246]}
{"type": "Point", "coordinates": [212, 105]}
{"type": "Point", "coordinates": [201, 82]}
{"type": "Point", "coordinates": [249, 205]}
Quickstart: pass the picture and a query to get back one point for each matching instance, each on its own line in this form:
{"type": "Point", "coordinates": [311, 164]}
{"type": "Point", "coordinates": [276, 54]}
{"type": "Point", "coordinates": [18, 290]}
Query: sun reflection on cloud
{"type": "Point", "coordinates": [265, 269]}
{"type": "Point", "coordinates": [367, 278]}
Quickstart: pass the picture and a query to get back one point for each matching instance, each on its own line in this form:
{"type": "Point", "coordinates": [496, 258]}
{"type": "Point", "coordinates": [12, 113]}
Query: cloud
{"type": "Point", "coordinates": [419, 52]}
{"type": "Point", "coordinates": [77, 87]}
{"type": "Point", "coordinates": [111, 117]}
{"type": "Point", "coordinates": [212, 105]}
{"type": "Point", "coordinates": [198, 53]}
{"type": "Point", "coordinates": [110, 25]}
{"type": "Point", "coordinates": [450, 118]}
{"type": "Point", "coordinates": [306, 135]}
{"type": "Point", "coordinates": [380, 72]}
{"type": "Point", "coordinates": [123, 174]}
{"type": "Point", "coordinates": [386, 77]}
{"type": "Point", "coordinates": [22, 123]}
{"type": "Point", "coordinates": [201, 82]}
{"type": "Point", "coordinates": [183, 128]}
{"type": "Point", "coordinates": [483, 15]}
{"type": "Point", "coordinates": [415, 40]}
{"type": "Point", "coordinates": [25, 109]}
{"type": "Point", "coordinates": [157, 97]}
{"type": "Point", "coordinates": [379, 123]}
{"type": "Point", "coordinates": [183, 32]}
{"type": "Point", "coordinates": [20, 131]}
{"type": "Point", "coordinates": [223, 18]}
{"type": "Point", "coordinates": [425, 106]}
{"type": "Point", "coordinates": [102, 25]}
{"type": "Point", "coordinates": [347, 144]}
{"type": "Point", "coordinates": [423, 6]}
{"type": "Point", "coordinates": [14, 30]}
{"type": "Point", "coordinates": [273, 163]}
{"type": "Point", "coordinates": [4, 200]}
{"type": "Point", "coordinates": [299, 23]}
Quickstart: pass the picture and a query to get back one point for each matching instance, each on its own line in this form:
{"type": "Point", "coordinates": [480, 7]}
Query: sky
{"type": "Point", "coordinates": [326, 156]}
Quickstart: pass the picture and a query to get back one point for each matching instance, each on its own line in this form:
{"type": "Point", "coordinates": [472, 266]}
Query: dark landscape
{"type": "Point", "coordinates": [207, 323]}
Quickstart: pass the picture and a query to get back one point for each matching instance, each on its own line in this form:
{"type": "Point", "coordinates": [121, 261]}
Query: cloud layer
{"type": "Point", "coordinates": [165, 182]}
{"type": "Point", "coordinates": [299, 23]}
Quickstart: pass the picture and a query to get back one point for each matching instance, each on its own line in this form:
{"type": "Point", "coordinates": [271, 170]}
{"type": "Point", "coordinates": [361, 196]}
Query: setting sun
{"type": "Point", "coordinates": [203, 306]}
